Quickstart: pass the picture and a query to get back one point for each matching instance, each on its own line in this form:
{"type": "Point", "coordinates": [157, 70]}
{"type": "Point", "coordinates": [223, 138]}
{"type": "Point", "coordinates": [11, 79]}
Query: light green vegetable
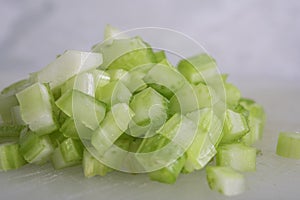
{"type": "Point", "coordinates": [125, 107]}
{"type": "Point", "coordinates": [288, 145]}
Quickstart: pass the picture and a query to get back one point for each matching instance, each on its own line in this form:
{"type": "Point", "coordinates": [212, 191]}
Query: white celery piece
{"type": "Point", "coordinates": [225, 180]}
{"type": "Point", "coordinates": [237, 156]}
{"type": "Point", "coordinates": [66, 66]}
{"type": "Point", "coordinates": [36, 108]}
{"type": "Point", "coordinates": [288, 145]}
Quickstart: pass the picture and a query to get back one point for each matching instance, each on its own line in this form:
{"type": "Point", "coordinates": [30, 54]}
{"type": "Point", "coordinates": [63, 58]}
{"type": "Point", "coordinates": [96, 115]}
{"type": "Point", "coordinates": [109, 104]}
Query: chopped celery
{"type": "Point", "coordinates": [237, 156]}
{"type": "Point", "coordinates": [235, 127]}
{"type": "Point", "coordinates": [68, 129]}
{"type": "Point", "coordinates": [66, 66]}
{"type": "Point", "coordinates": [36, 149]}
{"type": "Point", "coordinates": [288, 145]}
{"type": "Point", "coordinates": [58, 160]}
{"type": "Point", "coordinates": [160, 55]}
{"type": "Point", "coordinates": [225, 180]}
{"type": "Point", "coordinates": [92, 167]}
{"type": "Point", "coordinates": [6, 105]}
{"type": "Point", "coordinates": [71, 150]}
{"type": "Point", "coordinates": [233, 94]}
{"type": "Point", "coordinates": [40, 117]}
{"type": "Point", "coordinates": [11, 130]}
{"type": "Point", "coordinates": [10, 157]}
{"type": "Point", "coordinates": [16, 87]}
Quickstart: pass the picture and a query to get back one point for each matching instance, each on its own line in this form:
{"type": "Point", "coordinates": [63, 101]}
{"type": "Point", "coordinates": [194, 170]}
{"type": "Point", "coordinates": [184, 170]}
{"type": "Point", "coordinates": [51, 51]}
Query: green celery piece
{"type": "Point", "coordinates": [116, 74]}
{"type": "Point", "coordinates": [112, 127]}
{"type": "Point", "coordinates": [256, 120]}
{"type": "Point", "coordinates": [235, 127]}
{"type": "Point", "coordinates": [169, 173]}
{"type": "Point", "coordinates": [237, 156]}
{"type": "Point", "coordinates": [10, 157]}
{"type": "Point", "coordinates": [166, 76]}
{"type": "Point", "coordinates": [36, 149]}
{"type": "Point", "coordinates": [86, 109]}
{"type": "Point", "coordinates": [133, 80]}
{"type": "Point", "coordinates": [198, 68]}
{"type": "Point", "coordinates": [92, 167]}
{"type": "Point", "coordinates": [233, 94]}
{"type": "Point", "coordinates": [113, 93]}
{"type": "Point", "coordinates": [225, 180]}
{"type": "Point", "coordinates": [69, 64]}
{"type": "Point", "coordinates": [37, 109]}
{"type": "Point", "coordinates": [71, 149]}
{"type": "Point", "coordinates": [288, 145]}
{"type": "Point", "coordinates": [160, 56]}
{"type": "Point", "coordinates": [11, 130]}
{"type": "Point", "coordinates": [16, 87]}
{"type": "Point", "coordinates": [111, 32]}
{"type": "Point", "coordinates": [56, 138]}
{"type": "Point", "coordinates": [125, 53]}
{"type": "Point", "coordinates": [6, 105]}
{"type": "Point", "coordinates": [68, 129]}
{"type": "Point", "coordinates": [16, 115]}
{"type": "Point", "coordinates": [59, 162]}
{"type": "Point", "coordinates": [150, 110]}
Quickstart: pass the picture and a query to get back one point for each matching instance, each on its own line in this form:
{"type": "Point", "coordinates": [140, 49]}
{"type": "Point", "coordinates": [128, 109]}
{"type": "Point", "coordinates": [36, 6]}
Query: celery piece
{"type": "Point", "coordinates": [82, 107]}
{"type": "Point", "coordinates": [16, 87]}
{"type": "Point", "coordinates": [150, 110]}
{"type": "Point", "coordinates": [116, 74]}
{"type": "Point", "coordinates": [235, 127]}
{"type": "Point", "coordinates": [66, 66]}
{"type": "Point", "coordinates": [68, 129]}
{"type": "Point", "coordinates": [256, 120]}
{"type": "Point", "coordinates": [237, 156]}
{"type": "Point", "coordinates": [233, 94]}
{"type": "Point", "coordinates": [36, 149]}
{"type": "Point", "coordinates": [225, 180]}
{"type": "Point", "coordinates": [288, 145]}
{"type": "Point", "coordinates": [10, 157]}
{"type": "Point", "coordinates": [125, 53]}
{"type": "Point", "coordinates": [112, 127]}
{"type": "Point", "coordinates": [113, 93]}
{"type": "Point", "coordinates": [160, 55]}
{"type": "Point", "coordinates": [198, 68]}
{"type": "Point", "coordinates": [169, 173]}
{"type": "Point", "coordinates": [111, 32]}
{"type": "Point", "coordinates": [41, 116]}
{"type": "Point", "coordinates": [11, 130]}
{"type": "Point", "coordinates": [72, 150]}
{"type": "Point", "coordinates": [59, 162]}
{"type": "Point", "coordinates": [92, 167]}
{"type": "Point", "coordinates": [133, 80]}
{"type": "Point", "coordinates": [6, 105]}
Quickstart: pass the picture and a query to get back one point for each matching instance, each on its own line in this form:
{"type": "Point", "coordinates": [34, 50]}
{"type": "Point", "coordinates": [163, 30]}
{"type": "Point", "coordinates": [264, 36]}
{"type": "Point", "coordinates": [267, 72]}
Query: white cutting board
{"type": "Point", "coordinates": [275, 178]}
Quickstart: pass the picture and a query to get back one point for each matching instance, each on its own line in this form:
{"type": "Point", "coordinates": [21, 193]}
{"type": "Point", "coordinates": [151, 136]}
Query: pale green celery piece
{"type": "Point", "coordinates": [67, 65]}
{"type": "Point", "coordinates": [16, 115]}
{"type": "Point", "coordinates": [198, 68]}
{"type": "Point", "coordinates": [113, 93]}
{"type": "Point", "coordinates": [225, 180]}
{"type": "Point", "coordinates": [71, 149]}
{"type": "Point", "coordinates": [6, 104]}
{"type": "Point", "coordinates": [237, 156]}
{"type": "Point", "coordinates": [133, 80]}
{"type": "Point", "coordinates": [160, 56]}
{"type": "Point", "coordinates": [86, 109]}
{"type": "Point", "coordinates": [112, 127]}
{"type": "Point", "coordinates": [36, 149]}
{"type": "Point", "coordinates": [59, 162]}
{"type": "Point", "coordinates": [150, 110]}
{"type": "Point", "coordinates": [235, 127]}
{"type": "Point", "coordinates": [7, 130]}
{"type": "Point", "coordinates": [233, 94]}
{"type": "Point", "coordinates": [92, 167]}
{"type": "Point", "coordinates": [16, 87]}
{"type": "Point", "coordinates": [10, 157]}
{"type": "Point", "coordinates": [169, 173]}
{"type": "Point", "coordinates": [288, 145]}
{"type": "Point", "coordinates": [56, 138]}
{"type": "Point", "coordinates": [68, 129]}
{"type": "Point", "coordinates": [40, 117]}
{"type": "Point", "coordinates": [125, 53]}
{"type": "Point", "coordinates": [166, 76]}
{"type": "Point", "coordinates": [256, 121]}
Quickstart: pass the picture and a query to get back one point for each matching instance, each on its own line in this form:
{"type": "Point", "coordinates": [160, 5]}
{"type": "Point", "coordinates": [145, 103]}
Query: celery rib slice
{"type": "Point", "coordinates": [288, 145]}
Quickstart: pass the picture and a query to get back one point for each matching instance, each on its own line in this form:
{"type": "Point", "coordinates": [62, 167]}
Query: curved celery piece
{"type": "Point", "coordinates": [288, 145]}
{"type": "Point", "coordinates": [7, 103]}
{"type": "Point", "coordinates": [40, 117]}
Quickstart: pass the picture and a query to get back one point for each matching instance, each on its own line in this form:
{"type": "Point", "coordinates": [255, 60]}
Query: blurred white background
{"type": "Point", "coordinates": [256, 42]}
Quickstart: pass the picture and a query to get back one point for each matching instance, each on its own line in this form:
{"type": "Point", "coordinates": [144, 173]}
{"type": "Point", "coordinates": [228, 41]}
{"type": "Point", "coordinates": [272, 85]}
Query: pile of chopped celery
{"type": "Point", "coordinates": [125, 107]}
